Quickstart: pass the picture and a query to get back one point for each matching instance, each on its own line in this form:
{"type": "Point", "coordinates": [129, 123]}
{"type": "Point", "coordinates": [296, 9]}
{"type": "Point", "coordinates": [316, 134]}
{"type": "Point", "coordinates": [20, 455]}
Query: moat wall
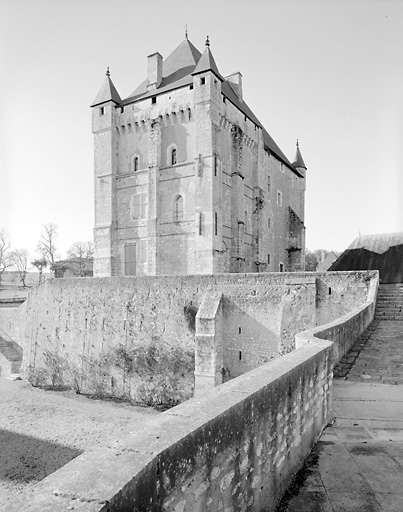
{"type": "Point", "coordinates": [234, 448]}
{"type": "Point", "coordinates": [86, 317]}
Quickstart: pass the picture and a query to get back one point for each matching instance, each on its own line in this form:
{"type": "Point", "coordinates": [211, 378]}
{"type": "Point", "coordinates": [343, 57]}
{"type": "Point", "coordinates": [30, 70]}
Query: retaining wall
{"type": "Point", "coordinates": [86, 317]}
{"type": "Point", "coordinates": [234, 448]}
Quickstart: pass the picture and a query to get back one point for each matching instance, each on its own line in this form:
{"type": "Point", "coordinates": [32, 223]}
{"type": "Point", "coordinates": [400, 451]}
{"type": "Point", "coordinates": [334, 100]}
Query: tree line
{"type": "Point", "coordinates": [78, 262]}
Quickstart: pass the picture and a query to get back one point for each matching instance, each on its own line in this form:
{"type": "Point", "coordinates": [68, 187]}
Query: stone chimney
{"type": "Point", "coordinates": [236, 83]}
{"type": "Point", "coordinates": [154, 71]}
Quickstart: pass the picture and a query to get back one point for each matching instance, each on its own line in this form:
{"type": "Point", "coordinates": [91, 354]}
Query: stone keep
{"type": "Point", "coordinates": [188, 181]}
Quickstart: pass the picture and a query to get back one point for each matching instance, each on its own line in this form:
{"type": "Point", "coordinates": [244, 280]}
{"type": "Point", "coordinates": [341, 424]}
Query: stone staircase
{"type": "Point", "coordinates": [389, 302]}
{"type": "Point", "coordinates": [10, 357]}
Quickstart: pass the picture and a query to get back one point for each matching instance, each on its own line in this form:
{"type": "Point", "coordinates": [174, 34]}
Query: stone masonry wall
{"type": "Point", "coordinates": [235, 448]}
{"type": "Point", "coordinates": [262, 312]}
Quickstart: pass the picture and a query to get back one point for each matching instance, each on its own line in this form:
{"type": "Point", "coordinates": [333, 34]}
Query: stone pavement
{"type": "Point", "coordinates": [357, 465]}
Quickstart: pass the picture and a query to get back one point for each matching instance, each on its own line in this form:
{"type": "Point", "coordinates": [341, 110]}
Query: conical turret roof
{"type": "Point", "coordinates": [207, 63]}
{"type": "Point", "coordinates": [299, 161]}
{"type": "Point", "coordinates": [107, 92]}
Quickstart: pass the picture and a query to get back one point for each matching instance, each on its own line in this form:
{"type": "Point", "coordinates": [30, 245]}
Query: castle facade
{"type": "Point", "coordinates": [188, 181]}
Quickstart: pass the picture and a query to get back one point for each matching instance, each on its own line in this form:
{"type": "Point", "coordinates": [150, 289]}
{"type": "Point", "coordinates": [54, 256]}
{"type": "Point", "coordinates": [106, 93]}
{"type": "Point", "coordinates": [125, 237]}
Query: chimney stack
{"type": "Point", "coordinates": [236, 83]}
{"type": "Point", "coordinates": [154, 71]}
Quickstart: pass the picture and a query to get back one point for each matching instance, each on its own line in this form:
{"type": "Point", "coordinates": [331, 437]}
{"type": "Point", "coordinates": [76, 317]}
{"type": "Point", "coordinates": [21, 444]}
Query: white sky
{"type": "Point", "coordinates": [326, 72]}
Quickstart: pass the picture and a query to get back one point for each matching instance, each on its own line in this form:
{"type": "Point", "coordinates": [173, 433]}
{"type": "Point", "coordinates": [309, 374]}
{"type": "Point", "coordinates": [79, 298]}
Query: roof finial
{"type": "Point", "coordinates": [186, 31]}
{"type": "Point", "coordinates": [108, 72]}
{"type": "Point", "coordinates": [297, 144]}
{"type": "Point", "coordinates": [207, 42]}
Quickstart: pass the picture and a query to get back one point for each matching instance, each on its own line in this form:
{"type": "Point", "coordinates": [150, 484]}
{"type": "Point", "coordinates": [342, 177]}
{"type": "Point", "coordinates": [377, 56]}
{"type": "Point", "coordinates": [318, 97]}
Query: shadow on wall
{"type": "Point", "coordinates": [247, 342]}
{"type": "Point", "coordinates": [25, 458]}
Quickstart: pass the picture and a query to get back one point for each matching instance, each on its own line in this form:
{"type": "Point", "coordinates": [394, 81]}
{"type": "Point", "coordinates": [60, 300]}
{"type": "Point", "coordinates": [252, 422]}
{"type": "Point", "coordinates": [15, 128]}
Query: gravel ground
{"type": "Point", "coordinates": [41, 431]}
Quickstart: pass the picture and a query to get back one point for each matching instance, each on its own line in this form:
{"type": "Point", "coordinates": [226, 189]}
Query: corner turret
{"type": "Point", "coordinates": [104, 114]}
{"type": "Point", "coordinates": [299, 163]}
{"type": "Point", "coordinates": [107, 92]}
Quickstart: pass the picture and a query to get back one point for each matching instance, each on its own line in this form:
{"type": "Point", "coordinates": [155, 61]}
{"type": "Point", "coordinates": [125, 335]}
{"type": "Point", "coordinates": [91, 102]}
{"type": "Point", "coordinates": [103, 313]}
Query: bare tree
{"type": "Point", "coordinates": [81, 253]}
{"type": "Point", "coordinates": [5, 252]}
{"type": "Point", "coordinates": [47, 243]}
{"type": "Point", "coordinates": [20, 263]}
{"type": "Point", "coordinates": [40, 264]}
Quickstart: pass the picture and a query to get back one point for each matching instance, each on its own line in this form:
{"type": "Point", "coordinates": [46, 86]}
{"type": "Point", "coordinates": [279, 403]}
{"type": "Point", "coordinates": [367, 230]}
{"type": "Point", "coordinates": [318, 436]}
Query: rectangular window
{"type": "Point", "coordinates": [282, 169]}
{"type": "Point", "coordinates": [268, 183]}
{"type": "Point", "coordinates": [279, 198]}
{"type": "Point", "coordinates": [268, 259]}
{"type": "Point", "coordinates": [122, 109]}
{"type": "Point", "coordinates": [130, 260]}
{"type": "Point", "coordinates": [101, 111]}
{"type": "Point", "coordinates": [215, 165]}
{"type": "Point", "coordinates": [269, 222]}
{"type": "Point", "coordinates": [281, 267]}
{"type": "Point", "coordinates": [154, 99]}
{"type": "Point", "coordinates": [138, 206]}
{"type": "Point", "coordinates": [202, 80]}
{"type": "Point", "coordinates": [200, 223]}
{"type": "Point", "coordinates": [215, 223]}
{"type": "Point", "coordinates": [190, 87]}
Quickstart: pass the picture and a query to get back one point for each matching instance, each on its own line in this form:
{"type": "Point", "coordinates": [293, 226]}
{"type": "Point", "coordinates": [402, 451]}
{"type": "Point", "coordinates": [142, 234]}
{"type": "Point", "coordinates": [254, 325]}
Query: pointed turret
{"type": "Point", "coordinates": [107, 92]}
{"type": "Point", "coordinates": [207, 63]}
{"type": "Point", "coordinates": [299, 161]}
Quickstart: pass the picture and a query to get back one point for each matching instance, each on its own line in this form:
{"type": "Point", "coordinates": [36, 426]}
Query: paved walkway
{"type": "Point", "coordinates": [357, 465]}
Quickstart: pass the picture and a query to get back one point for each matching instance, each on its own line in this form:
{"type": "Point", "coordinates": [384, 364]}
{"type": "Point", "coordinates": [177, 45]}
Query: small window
{"type": "Point", "coordinates": [281, 267]}
{"type": "Point", "coordinates": [101, 111]}
{"type": "Point", "coordinates": [202, 80]}
{"type": "Point", "coordinates": [282, 169]}
{"type": "Point", "coordinates": [178, 210]}
{"type": "Point", "coordinates": [268, 259]}
{"type": "Point", "coordinates": [153, 100]}
{"type": "Point", "coordinates": [215, 165]}
{"type": "Point", "coordinates": [173, 157]}
{"type": "Point", "coordinates": [279, 198]}
{"type": "Point", "coordinates": [269, 222]}
{"type": "Point", "coordinates": [122, 109]}
{"type": "Point", "coordinates": [200, 223]}
{"type": "Point", "coordinates": [135, 164]}
{"type": "Point", "coordinates": [240, 355]}
{"type": "Point", "coordinates": [223, 99]}
{"type": "Point", "coordinates": [215, 223]}
{"type": "Point", "coordinates": [239, 330]}
{"type": "Point", "coordinates": [268, 183]}
{"type": "Point", "coordinates": [191, 87]}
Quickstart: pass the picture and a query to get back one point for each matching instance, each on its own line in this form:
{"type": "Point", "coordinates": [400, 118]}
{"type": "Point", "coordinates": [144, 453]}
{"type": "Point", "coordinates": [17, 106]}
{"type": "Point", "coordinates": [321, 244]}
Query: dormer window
{"type": "Point", "coordinates": [173, 157]}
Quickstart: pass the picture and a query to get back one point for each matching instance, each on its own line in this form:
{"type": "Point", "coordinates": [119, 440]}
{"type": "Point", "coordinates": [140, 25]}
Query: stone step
{"type": "Point", "coordinates": [14, 376]}
{"type": "Point", "coordinates": [12, 354]}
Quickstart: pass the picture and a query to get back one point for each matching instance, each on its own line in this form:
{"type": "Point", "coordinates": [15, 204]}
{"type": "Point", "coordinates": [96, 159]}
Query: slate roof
{"type": "Point", "coordinates": [299, 161]}
{"type": "Point", "coordinates": [377, 243]}
{"type": "Point", "coordinates": [107, 92]}
{"type": "Point", "coordinates": [178, 70]}
{"type": "Point", "coordinates": [207, 63]}
{"type": "Point", "coordinates": [374, 252]}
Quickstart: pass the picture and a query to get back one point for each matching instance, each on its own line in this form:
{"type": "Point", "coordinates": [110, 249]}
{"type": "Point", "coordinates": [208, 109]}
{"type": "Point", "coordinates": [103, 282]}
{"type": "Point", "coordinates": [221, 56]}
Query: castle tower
{"type": "Point", "coordinates": [187, 180]}
{"type": "Point", "coordinates": [105, 168]}
{"type": "Point", "coordinates": [207, 98]}
{"type": "Point", "coordinates": [299, 164]}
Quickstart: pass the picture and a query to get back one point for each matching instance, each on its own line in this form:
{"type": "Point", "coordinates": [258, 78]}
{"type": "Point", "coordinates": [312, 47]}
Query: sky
{"type": "Point", "coordinates": [326, 72]}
